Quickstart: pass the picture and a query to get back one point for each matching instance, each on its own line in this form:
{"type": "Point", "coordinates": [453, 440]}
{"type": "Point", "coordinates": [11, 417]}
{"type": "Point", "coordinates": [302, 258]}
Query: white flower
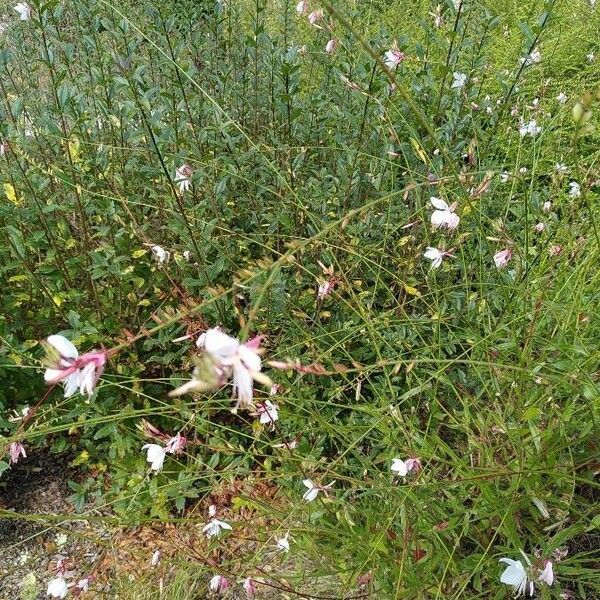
{"type": "Point", "coordinates": [547, 206]}
{"type": "Point", "coordinates": [74, 371]}
{"type": "Point", "coordinates": [530, 128]}
{"type": "Point", "coordinates": [161, 255]}
{"type": "Point", "coordinates": [393, 57]}
{"type": "Point", "coordinates": [404, 467]}
{"type": "Point", "coordinates": [457, 4]}
{"type": "Point", "coordinates": [57, 588]}
{"type": "Point", "coordinates": [214, 526]}
{"type": "Point", "coordinates": [156, 456]}
{"type": "Point", "coordinates": [561, 98]}
{"type": "Point", "coordinates": [533, 58]}
{"type": "Point", "coordinates": [3, 148]}
{"type": "Point", "coordinates": [183, 178]}
{"type": "Point", "coordinates": [243, 360]}
{"type": "Point", "coordinates": [434, 255]}
{"type": "Point", "coordinates": [331, 46]}
{"type": "Point", "coordinates": [516, 576]}
{"type": "Point", "coordinates": [68, 354]}
{"type": "Point", "coordinates": [187, 255]}
{"type": "Point", "coordinates": [539, 227]}
{"type": "Point", "coordinates": [399, 467]}
{"type": "Point", "coordinates": [269, 413]}
{"type": "Point", "coordinates": [561, 168]}
{"type": "Point", "coordinates": [459, 80]}
{"type": "Point", "coordinates": [284, 543]}
{"type": "Point", "coordinates": [312, 492]}
{"type": "Point", "coordinates": [591, 57]}
{"type": "Point", "coordinates": [574, 189]}
{"type": "Point", "coordinates": [502, 258]}
{"type": "Point", "coordinates": [547, 574]}
{"type": "Point", "coordinates": [155, 558]}
{"type": "Point", "coordinates": [24, 10]}
{"type": "Point", "coordinates": [313, 489]}
{"type": "Point", "coordinates": [83, 584]}
{"type": "Point", "coordinates": [443, 216]}
{"type": "Point", "coordinates": [504, 176]}
{"type": "Point", "coordinates": [301, 7]}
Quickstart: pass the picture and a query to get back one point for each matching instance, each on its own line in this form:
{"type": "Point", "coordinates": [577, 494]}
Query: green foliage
{"type": "Point", "coordinates": [301, 157]}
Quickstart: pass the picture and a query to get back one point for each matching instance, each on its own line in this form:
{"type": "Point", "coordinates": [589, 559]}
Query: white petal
{"type": "Point", "coordinates": [249, 357]}
{"type": "Point", "coordinates": [156, 456]}
{"type": "Point", "coordinates": [242, 384]}
{"type": "Point", "coordinates": [223, 524]}
{"type": "Point", "coordinates": [63, 346]}
{"type": "Point", "coordinates": [311, 494]}
{"type": "Point", "coordinates": [438, 203]}
{"type": "Point", "coordinates": [220, 345]}
{"type": "Point", "coordinates": [308, 483]}
{"type": "Point", "coordinates": [514, 574]}
{"type": "Point", "coordinates": [439, 218]}
{"type": "Point", "coordinates": [399, 467]}
{"type": "Point", "coordinates": [52, 375]}
{"type": "Point", "coordinates": [71, 383]}
{"type": "Point", "coordinates": [57, 588]}
{"type": "Point", "coordinates": [87, 381]}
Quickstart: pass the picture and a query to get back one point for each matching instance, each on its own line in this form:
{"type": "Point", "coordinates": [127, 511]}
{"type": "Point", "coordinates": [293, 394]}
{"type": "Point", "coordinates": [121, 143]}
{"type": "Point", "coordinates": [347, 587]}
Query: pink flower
{"type": "Point", "coordinates": [16, 451]}
{"type": "Point", "coordinates": [547, 574]}
{"type": "Point", "coordinates": [75, 371]}
{"type": "Point", "coordinates": [83, 585]}
{"type": "Point", "coordinates": [502, 258]}
{"type": "Point", "coordinates": [393, 57]}
{"type": "Point", "coordinates": [315, 17]}
{"type": "Point", "coordinates": [325, 288]}
{"type": "Point", "coordinates": [555, 250]}
{"type": "Point", "coordinates": [230, 359]}
{"type": "Point", "coordinates": [268, 413]}
{"type": "Point", "coordinates": [539, 227]}
{"type": "Point", "coordinates": [404, 467]}
{"type": "Point", "coordinates": [183, 178]}
{"type": "Point", "coordinates": [218, 584]}
{"type": "Point", "coordinates": [249, 587]}
{"type": "Point", "coordinates": [331, 46]}
{"type": "Point", "coordinates": [176, 444]}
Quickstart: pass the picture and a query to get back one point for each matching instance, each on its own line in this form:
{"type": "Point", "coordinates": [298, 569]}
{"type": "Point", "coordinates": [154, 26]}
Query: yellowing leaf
{"type": "Point", "coordinates": [74, 149]}
{"type": "Point", "coordinates": [81, 458]}
{"type": "Point", "coordinates": [11, 194]}
{"type": "Point", "coordinates": [144, 302]}
{"type": "Point", "coordinates": [139, 253]}
{"type": "Point", "coordinates": [412, 291]}
{"type": "Point", "coordinates": [15, 278]}
{"type": "Point", "coordinates": [419, 150]}
{"type": "Point", "coordinates": [16, 358]}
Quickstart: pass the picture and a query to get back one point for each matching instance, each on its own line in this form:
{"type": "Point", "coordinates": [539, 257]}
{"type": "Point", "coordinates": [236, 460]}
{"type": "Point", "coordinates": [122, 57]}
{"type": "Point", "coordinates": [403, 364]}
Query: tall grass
{"type": "Point", "coordinates": [301, 160]}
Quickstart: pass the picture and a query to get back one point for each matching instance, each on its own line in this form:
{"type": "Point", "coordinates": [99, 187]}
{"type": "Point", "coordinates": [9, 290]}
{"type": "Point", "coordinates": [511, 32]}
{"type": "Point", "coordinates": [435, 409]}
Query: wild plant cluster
{"type": "Point", "coordinates": [332, 263]}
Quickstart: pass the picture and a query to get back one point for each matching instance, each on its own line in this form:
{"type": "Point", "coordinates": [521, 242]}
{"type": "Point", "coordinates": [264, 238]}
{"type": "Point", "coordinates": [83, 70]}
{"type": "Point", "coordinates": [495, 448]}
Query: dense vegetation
{"type": "Point", "coordinates": [172, 167]}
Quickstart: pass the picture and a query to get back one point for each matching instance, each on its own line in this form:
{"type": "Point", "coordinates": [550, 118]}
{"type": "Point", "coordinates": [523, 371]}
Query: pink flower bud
{"type": "Point", "coordinates": [16, 451]}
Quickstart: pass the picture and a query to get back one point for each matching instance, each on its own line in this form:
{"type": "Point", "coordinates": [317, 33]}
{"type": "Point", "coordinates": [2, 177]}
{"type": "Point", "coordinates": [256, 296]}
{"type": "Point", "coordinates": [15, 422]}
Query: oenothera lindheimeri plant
{"type": "Point", "coordinates": [401, 206]}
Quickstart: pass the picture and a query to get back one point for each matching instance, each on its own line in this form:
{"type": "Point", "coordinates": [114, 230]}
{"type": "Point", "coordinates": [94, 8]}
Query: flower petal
{"type": "Point", "coordinates": [63, 346]}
